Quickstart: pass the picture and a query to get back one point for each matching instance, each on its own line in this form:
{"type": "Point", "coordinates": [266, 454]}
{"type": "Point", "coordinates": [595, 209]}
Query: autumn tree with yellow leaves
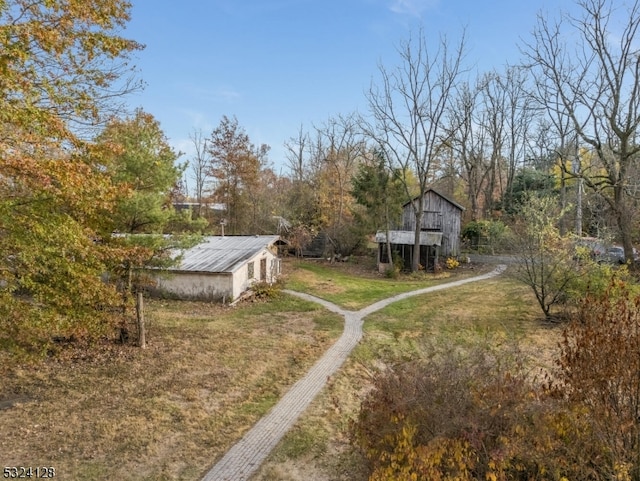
{"type": "Point", "coordinates": [63, 68]}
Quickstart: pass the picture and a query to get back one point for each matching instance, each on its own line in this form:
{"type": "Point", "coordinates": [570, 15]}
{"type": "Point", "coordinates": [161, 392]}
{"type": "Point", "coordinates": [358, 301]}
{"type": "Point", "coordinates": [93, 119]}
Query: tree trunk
{"type": "Point", "coordinates": [624, 221]}
{"type": "Point", "coordinates": [473, 198]}
{"type": "Point", "coordinates": [142, 335]}
{"type": "Point", "coordinates": [563, 203]}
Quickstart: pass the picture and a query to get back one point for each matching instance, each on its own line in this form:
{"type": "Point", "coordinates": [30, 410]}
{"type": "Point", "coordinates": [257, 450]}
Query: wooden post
{"type": "Point", "coordinates": [142, 340]}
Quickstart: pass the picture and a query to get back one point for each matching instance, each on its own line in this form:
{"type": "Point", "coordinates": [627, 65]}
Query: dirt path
{"type": "Point", "coordinates": [245, 457]}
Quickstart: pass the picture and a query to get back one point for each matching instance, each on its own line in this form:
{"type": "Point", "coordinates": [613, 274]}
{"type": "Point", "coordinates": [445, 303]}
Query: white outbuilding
{"type": "Point", "coordinates": [221, 268]}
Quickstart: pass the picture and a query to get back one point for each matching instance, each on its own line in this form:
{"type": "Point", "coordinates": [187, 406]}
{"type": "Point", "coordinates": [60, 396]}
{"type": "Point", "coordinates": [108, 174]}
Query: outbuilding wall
{"type": "Point", "coordinates": [243, 281]}
{"type": "Point", "coordinates": [196, 286]}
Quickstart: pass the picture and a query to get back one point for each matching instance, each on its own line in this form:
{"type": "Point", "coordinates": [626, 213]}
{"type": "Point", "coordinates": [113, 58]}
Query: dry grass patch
{"type": "Point", "coordinates": [167, 412]}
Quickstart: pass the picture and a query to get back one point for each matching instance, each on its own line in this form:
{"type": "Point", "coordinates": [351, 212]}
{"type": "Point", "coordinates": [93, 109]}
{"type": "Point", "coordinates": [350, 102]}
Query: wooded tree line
{"type": "Point", "coordinates": [564, 122]}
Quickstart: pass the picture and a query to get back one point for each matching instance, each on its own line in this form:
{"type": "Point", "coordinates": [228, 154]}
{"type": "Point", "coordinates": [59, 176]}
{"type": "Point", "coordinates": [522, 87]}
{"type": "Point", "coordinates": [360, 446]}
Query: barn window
{"type": "Point", "coordinates": [432, 220]}
{"type": "Point", "coordinates": [250, 270]}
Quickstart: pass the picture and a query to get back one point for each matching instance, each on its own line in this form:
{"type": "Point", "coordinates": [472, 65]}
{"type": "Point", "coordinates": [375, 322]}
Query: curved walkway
{"type": "Point", "coordinates": [245, 457]}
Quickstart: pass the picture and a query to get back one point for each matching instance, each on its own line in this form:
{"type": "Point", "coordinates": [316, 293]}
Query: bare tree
{"type": "Point", "coordinates": [408, 113]}
{"type": "Point", "coordinates": [489, 123]}
{"type": "Point", "coordinates": [597, 81]}
{"type": "Point", "coordinates": [469, 141]}
{"type": "Point", "coordinates": [343, 149]}
{"type": "Point", "coordinates": [200, 165]}
{"type": "Point", "coordinates": [302, 197]}
{"type": "Point", "coordinates": [517, 118]}
{"type": "Point", "coordinates": [555, 143]}
{"type": "Point", "coordinates": [296, 149]}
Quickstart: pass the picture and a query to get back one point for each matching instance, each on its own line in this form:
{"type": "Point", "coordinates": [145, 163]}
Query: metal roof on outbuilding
{"type": "Point", "coordinates": [223, 254]}
{"type": "Point", "coordinates": [408, 237]}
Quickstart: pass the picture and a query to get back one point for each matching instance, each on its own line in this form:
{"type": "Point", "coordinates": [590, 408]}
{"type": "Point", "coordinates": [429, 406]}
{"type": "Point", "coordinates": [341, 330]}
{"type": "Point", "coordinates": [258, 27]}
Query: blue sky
{"type": "Point", "coordinates": [280, 64]}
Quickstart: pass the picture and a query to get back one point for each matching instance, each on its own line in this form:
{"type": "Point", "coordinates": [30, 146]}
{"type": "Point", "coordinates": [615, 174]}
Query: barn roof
{"type": "Point", "coordinates": [223, 254]}
{"type": "Point", "coordinates": [448, 199]}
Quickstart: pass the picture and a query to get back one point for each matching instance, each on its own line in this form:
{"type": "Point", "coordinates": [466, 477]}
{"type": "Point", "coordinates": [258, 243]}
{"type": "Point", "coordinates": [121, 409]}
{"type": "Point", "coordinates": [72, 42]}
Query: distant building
{"type": "Point", "coordinates": [195, 206]}
{"type": "Point", "coordinates": [222, 268]}
{"type": "Point", "coordinates": [439, 236]}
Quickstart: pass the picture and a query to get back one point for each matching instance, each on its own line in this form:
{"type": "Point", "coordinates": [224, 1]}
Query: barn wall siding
{"type": "Point", "coordinates": [439, 215]}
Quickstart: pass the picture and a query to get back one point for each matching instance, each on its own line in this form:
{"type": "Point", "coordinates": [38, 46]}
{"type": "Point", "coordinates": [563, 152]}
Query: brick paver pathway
{"type": "Point", "coordinates": [244, 458]}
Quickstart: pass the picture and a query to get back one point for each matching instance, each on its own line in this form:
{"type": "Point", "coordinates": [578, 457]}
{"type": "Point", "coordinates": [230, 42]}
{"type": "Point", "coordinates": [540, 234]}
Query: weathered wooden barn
{"type": "Point", "coordinates": [221, 268]}
{"type": "Point", "coordinates": [440, 232]}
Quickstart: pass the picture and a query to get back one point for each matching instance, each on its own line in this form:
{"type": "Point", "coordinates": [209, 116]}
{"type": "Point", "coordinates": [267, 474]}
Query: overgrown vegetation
{"type": "Point", "coordinates": [452, 416]}
{"type": "Point", "coordinates": [558, 270]}
{"type": "Point", "coordinates": [478, 414]}
{"type": "Point", "coordinates": [267, 290]}
{"type": "Point", "coordinates": [486, 236]}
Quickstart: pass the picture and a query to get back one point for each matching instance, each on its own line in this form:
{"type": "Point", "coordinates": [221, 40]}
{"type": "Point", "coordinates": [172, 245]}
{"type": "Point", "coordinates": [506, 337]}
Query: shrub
{"type": "Point", "coordinates": [485, 235]}
{"type": "Point", "coordinates": [449, 417]}
{"type": "Point", "coordinates": [598, 373]}
{"type": "Point", "coordinates": [545, 261]}
{"type": "Point", "coordinates": [452, 263]}
{"type": "Point", "coordinates": [392, 272]}
{"type": "Point", "coordinates": [266, 290]}
{"type": "Point", "coordinates": [475, 416]}
{"type": "Point", "coordinates": [595, 279]}
{"type": "Point", "coordinates": [398, 261]}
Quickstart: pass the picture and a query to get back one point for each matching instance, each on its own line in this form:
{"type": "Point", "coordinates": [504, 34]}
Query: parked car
{"type": "Point", "coordinates": [615, 255]}
{"type": "Point", "coordinates": [602, 252]}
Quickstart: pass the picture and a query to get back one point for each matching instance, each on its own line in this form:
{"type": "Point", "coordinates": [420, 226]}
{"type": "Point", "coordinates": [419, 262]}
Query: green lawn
{"type": "Point", "coordinates": [337, 283]}
{"type": "Point", "coordinates": [499, 311]}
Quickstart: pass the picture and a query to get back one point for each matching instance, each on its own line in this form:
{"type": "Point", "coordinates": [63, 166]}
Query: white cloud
{"type": "Point", "coordinates": [225, 95]}
{"type": "Point", "coordinates": [412, 7]}
{"type": "Point", "coordinates": [197, 120]}
{"type": "Point", "coordinates": [219, 94]}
